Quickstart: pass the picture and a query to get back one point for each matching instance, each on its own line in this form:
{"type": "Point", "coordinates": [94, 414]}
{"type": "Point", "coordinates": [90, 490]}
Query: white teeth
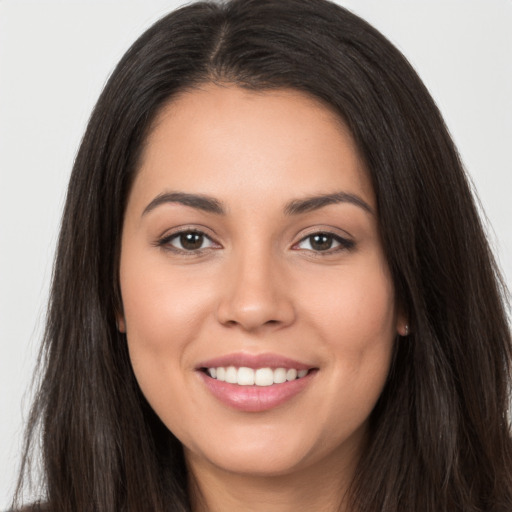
{"type": "Point", "coordinates": [291, 374]}
{"type": "Point", "coordinates": [244, 376]}
{"type": "Point", "coordinates": [231, 376]}
{"type": "Point", "coordinates": [264, 377]}
{"type": "Point", "coordinates": [279, 375]}
{"type": "Point", "coordinates": [221, 374]}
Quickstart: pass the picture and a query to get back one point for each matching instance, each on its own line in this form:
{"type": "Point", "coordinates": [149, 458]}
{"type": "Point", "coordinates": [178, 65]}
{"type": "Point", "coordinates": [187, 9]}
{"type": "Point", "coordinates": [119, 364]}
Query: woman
{"type": "Point", "coordinates": [272, 289]}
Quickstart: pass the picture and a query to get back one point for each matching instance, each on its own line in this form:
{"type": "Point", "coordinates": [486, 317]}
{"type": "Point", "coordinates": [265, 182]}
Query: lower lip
{"type": "Point", "coordinates": [256, 398]}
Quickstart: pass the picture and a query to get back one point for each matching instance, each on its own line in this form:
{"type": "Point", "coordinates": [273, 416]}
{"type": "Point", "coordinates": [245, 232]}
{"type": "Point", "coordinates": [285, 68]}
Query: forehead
{"type": "Point", "coordinates": [228, 141]}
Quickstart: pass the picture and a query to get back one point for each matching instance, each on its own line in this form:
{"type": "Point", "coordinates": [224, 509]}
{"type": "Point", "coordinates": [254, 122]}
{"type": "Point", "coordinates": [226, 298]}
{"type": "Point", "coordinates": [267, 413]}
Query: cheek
{"type": "Point", "coordinates": [163, 310]}
{"type": "Point", "coordinates": [355, 318]}
{"type": "Point", "coordinates": [158, 298]}
{"type": "Point", "coordinates": [353, 302]}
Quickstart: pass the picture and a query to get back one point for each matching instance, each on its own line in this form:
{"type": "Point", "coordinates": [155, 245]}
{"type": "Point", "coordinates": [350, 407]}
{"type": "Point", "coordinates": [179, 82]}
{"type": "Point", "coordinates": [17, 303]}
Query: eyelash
{"type": "Point", "coordinates": [165, 242]}
{"type": "Point", "coordinates": [344, 244]}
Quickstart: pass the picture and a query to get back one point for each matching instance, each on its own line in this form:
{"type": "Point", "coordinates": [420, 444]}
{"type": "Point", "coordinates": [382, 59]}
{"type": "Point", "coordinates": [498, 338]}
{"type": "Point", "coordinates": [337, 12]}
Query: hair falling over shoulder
{"type": "Point", "coordinates": [440, 434]}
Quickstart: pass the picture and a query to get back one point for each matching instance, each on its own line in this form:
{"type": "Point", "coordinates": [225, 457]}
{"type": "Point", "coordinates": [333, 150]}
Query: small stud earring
{"type": "Point", "coordinates": [406, 329]}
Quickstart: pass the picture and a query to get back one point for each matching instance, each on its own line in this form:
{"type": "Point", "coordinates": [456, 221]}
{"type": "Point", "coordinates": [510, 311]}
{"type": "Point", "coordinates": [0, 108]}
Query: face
{"type": "Point", "coordinates": [257, 303]}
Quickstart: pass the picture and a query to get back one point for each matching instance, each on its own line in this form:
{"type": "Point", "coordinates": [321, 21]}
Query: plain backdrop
{"type": "Point", "coordinates": [54, 60]}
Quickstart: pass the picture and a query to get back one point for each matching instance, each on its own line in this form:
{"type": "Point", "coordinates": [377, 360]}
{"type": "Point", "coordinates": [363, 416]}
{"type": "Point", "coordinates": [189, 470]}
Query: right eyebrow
{"type": "Point", "coordinates": [199, 201]}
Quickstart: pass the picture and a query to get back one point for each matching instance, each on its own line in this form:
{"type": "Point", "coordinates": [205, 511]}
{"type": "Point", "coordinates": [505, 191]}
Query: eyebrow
{"type": "Point", "coordinates": [201, 202]}
{"type": "Point", "coordinates": [295, 207]}
{"type": "Point", "coordinates": [308, 204]}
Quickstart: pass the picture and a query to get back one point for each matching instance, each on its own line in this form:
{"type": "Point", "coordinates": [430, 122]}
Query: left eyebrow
{"type": "Point", "coordinates": [308, 204]}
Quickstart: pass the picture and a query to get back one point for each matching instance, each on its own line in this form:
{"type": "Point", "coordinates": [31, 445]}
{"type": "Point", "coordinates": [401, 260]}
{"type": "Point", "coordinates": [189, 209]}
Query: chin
{"type": "Point", "coordinates": [258, 463]}
{"type": "Point", "coordinates": [267, 452]}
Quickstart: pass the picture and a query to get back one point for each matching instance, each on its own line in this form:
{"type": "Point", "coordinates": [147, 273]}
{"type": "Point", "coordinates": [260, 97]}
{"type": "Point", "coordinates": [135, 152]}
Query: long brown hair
{"type": "Point", "coordinates": [440, 438]}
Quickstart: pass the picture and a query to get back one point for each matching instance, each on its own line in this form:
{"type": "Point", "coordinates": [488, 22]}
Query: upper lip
{"type": "Point", "coordinates": [265, 360]}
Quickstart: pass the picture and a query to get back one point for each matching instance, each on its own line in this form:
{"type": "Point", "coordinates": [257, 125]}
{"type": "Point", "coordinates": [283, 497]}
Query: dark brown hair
{"type": "Point", "coordinates": [440, 437]}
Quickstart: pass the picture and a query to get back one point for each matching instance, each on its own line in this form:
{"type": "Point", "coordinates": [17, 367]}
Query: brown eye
{"type": "Point", "coordinates": [191, 241]}
{"type": "Point", "coordinates": [324, 242]}
{"type": "Point", "coordinates": [321, 241]}
{"type": "Point", "coordinates": [188, 241]}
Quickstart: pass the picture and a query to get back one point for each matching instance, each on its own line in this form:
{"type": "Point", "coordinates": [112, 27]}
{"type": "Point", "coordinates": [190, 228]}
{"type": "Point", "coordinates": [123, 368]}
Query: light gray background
{"type": "Point", "coordinates": [54, 59]}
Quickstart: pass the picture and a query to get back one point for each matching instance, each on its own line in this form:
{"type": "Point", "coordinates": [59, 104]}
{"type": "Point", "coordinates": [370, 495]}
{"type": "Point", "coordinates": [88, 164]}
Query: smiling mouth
{"type": "Point", "coordinates": [244, 376]}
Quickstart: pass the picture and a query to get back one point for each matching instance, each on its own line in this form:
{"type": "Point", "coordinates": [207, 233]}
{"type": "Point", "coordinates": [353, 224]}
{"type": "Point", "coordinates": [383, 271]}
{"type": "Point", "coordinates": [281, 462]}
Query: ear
{"type": "Point", "coordinates": [120, 322]}
{"type": "Point", "coordinates": [403, 330]}
{"type": "Point", "coordinates": [402, 325]}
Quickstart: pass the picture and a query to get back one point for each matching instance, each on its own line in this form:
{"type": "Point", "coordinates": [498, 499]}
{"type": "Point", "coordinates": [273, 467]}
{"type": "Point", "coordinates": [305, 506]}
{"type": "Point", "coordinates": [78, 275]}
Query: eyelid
{"type": "Point", "coordinates": [164, 240]}
{"type": "Point", "coordinates": [346, 241]}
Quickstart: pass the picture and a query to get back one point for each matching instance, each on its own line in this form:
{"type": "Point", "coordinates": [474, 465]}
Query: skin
{"type": "Point", "coordinates": [257, 284]}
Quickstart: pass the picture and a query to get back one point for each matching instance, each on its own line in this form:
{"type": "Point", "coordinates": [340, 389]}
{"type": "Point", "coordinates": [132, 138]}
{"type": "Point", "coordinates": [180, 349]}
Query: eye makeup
{"type": "Point", "coordinates": [194, 241]}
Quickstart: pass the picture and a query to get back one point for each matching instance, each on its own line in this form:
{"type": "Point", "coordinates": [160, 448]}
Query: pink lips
{"type": "Point", "coordinates": [255, 398]}
{"type": "Point", "coordinates": [254, 361]}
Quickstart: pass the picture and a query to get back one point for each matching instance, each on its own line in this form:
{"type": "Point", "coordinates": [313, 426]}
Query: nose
{"type": "Point", "coordinates": [256, 295]}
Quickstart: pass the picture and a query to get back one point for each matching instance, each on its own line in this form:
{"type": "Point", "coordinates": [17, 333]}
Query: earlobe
{"type": "Point", "coordinates": [403, 328]}
{"type": "Point", "coordinates": [402, 325]}
{"type": "Point", "coordinates": [120, 323]}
